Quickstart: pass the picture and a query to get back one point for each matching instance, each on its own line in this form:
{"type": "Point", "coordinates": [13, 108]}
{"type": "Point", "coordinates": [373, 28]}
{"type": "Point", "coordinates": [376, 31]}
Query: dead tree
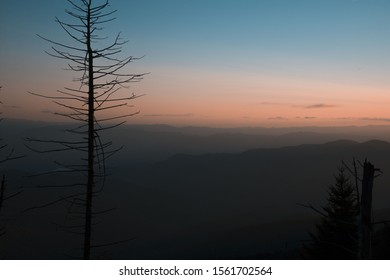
{"type": "Point", "coordinates": [363, 220]}
{"type": "Point", "coordinates": [365, 251]}
{"type": "Point", "coordinates": [102, 74]}
{"type": "Point", "coordinates": [365, 206]}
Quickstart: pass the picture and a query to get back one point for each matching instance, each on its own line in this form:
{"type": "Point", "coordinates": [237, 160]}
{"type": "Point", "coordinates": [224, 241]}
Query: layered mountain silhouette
{"type": "Point", "coordinates": [199, 201]}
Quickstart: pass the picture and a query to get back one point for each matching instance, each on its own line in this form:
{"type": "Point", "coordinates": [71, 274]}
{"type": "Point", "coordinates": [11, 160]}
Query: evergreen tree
{"type": "Point", "coordinates": [337, 233]}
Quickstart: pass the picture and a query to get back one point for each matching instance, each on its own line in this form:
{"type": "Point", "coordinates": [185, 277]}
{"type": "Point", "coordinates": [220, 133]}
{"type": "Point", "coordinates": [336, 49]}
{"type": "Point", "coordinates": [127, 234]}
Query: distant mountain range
{"type": "Point", "coordinates": [197, 192]}
{"type": "Point", "coordinates": [143, 144]}
{"type": "Point", "coordinates": [227, 196]}
{"type": "Point", "coordinates": [261, 178]}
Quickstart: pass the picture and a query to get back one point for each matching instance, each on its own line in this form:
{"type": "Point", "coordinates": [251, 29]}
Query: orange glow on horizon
{"type": "Point", "coordinates": [210, 98]}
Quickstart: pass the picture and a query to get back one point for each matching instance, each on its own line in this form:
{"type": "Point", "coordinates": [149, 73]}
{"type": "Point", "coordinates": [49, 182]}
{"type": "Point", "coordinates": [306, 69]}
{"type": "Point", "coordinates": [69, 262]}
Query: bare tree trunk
{"type": "Point", "coordinates": [355, 175]}
{"type": "Point", "coordinates": [91, 146]}
{"type": "Point", "coordinates": [103, 76]}
{"type": "Point", "coordinates": [366, 207]}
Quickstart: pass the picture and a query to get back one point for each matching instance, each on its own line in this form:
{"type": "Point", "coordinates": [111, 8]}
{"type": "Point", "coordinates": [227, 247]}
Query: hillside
{"type": "Point", "coordinates": [201, 205]}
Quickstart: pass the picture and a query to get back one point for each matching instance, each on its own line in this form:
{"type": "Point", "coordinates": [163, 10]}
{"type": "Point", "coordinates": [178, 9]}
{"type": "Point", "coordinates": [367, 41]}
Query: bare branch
{"type": "Point", "coordinates": [101, 75]}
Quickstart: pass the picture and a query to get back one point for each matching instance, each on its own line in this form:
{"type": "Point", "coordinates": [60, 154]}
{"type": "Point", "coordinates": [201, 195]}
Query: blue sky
{"type": "Point", "coordinates": [297, 52]}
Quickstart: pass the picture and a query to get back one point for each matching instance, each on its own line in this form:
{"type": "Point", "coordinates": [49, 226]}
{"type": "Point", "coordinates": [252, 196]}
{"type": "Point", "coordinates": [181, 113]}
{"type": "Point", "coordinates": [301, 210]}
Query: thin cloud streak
{"type": "Point", "coordinates": [316, 106]}
{"type": "Point", "coordinates": [375, 119]}
{"type": "Point", "coordinates": [310, 106]}
{"type": "Point", "coordinates": [278, 118]}
{"type": "Point", "coordinates": [320, 105]}
{"type": "Point", "coordinates": [12, 106]}
{"type": "Point", "coordinates": [266, 103]}
{"type": "Point", "coordinates": [170, 115]}
{"type": "Point", "coordinates": [307, 118]}
{"type": "Point", "coordinates": [378, 119]}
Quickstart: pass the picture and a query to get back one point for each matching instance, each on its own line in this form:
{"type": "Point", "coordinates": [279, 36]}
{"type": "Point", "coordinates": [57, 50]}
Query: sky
{"type": "Point", "coordinates": [219, 62]}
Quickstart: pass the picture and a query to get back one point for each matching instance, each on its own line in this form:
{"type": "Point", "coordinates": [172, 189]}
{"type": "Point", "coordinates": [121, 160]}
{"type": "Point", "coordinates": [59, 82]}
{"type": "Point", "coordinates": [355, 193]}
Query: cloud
{"type": "Point", "coordinates": [345, 118]}
{"type": "Point", "coordinates": [375, 119]}
{"type": "Point", "coordinates": [170, 115]}
{"type": "Point", "coordinates": [266, 103]}
{"type": "Point", "coordinates": [278, 118]}
{"type": "Point", "coordinates": [364, 119]}
{"type": "Point", "coordinates": [47, 112]}
{"type": "Point", "coordinates": [317, 106]}
{"type": "Point", "coordinates": [12, 106]}
{"type": "Point", "coordinates": [269, 103]}
{"type": "Point", "coordinates": [381, 119]}
{"type": "Point", "coordinates": [320, 105]}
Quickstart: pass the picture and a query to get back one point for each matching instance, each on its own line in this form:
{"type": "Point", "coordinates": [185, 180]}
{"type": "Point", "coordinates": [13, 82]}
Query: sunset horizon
{"type": "Point", "coordinates": [268, 63]}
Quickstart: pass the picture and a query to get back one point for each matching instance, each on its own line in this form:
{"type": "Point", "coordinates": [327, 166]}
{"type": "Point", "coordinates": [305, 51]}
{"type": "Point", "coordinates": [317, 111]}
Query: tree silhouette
{"type": "Point", "coordinates": [336, 235]}
{"type": "Point", "coordinates": [102, 75]}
